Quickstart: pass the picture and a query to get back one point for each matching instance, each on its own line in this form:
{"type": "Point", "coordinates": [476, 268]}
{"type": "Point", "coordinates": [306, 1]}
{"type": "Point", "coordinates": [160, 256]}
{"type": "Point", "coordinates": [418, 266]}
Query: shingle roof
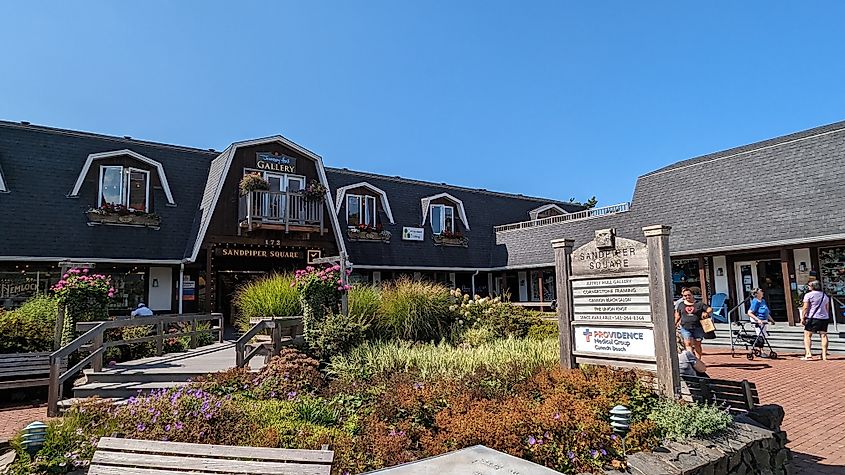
{"type": "Point", "coordinates": [41, 164]}
{"type": "Point", "coordinates": [787, 190]}
{"type": "Point", "coordinates": [484, 209]}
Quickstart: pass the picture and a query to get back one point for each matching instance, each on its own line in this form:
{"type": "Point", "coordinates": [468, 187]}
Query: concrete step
{"type": "Point", "coordinates": [122, 390]}
{"type": "Point", "coordinates": [140, 376]}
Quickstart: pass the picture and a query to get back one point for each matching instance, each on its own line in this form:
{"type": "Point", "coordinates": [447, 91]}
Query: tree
{"type": "Point", "coordinates": [589, 204]}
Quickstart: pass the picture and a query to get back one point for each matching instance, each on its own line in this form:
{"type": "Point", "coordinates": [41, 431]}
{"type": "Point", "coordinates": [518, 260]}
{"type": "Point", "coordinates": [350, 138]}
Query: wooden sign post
{"type": "Point", "coordinates": [614, 304]}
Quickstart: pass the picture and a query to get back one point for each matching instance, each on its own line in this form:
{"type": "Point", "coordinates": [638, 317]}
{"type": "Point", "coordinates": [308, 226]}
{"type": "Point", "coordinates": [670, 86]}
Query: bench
{"type": "Point", "coordinates": [21, 370]}
{"type": "Point", "coordinates": [738, 396]}
{"type": "Point", "coordinates": [117, 456]}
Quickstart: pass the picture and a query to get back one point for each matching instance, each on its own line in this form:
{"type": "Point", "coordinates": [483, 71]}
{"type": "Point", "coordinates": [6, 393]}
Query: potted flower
{"type": "Point", "coordinates": [253, 182]}
{"type": "Point", "coordinates": [315, 191]}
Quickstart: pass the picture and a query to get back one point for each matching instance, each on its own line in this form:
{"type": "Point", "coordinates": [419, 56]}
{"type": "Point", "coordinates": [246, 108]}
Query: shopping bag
{"type": "Point", "coordinates": [707, 325]}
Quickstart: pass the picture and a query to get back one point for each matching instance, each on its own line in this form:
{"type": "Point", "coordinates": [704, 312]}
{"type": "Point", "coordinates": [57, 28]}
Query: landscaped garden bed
{"type": "Point", "coordinates": [415, 370]}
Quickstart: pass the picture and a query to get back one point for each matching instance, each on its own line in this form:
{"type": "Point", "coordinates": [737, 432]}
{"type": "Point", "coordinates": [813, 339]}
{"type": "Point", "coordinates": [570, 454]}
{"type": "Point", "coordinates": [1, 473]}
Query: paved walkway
{"type": "Point", "coordinates": [14, 419]}
{"type": "Point", "coordinates": [812, 394]}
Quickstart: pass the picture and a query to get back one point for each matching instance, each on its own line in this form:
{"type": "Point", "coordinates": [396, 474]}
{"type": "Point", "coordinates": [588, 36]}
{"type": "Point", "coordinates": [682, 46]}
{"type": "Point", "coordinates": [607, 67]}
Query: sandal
{"type": "Point", "coordinates": [807, 358]}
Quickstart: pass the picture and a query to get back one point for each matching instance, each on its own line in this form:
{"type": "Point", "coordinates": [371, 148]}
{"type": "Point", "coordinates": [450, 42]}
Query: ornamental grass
{"type": "Point", "coordinates": [414, 310]}
{"type": "Point", "coordinates": [271, 296]}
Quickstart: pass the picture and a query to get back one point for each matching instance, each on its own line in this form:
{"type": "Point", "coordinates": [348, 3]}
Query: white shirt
{"type": "Point", "coordinates": [142, 312]}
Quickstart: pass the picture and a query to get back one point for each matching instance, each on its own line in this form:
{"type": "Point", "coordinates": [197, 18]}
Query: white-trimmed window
{"type": "Point", "coordinates": [360, 209]}
{"type": "Point", "coordinates": [125, 186]}
{"type": "Point", "coordinates": [442, 219]}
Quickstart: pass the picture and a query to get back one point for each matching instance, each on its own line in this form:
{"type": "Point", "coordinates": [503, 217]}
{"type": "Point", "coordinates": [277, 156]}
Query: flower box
{"type": "Point", "coordinates": [456, 241]}
{"type": "Point", "coordinates": [100, 216]}
{"type": "Point", "coordinates": [370, 235]}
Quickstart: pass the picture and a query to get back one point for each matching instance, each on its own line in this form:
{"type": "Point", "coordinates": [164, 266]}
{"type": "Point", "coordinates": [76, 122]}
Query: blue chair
{"type": "Point", "coordinates": [720, 310]}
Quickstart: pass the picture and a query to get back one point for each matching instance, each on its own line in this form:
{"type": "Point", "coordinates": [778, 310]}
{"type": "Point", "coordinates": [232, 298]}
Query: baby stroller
{"type": "Point", "coordinates": [754, 339]}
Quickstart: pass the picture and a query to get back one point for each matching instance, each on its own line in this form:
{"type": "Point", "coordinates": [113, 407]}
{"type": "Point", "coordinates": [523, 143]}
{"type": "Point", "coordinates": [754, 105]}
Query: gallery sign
{"type": "Point", "coordinates": [413, 234]}
{"type": "Point", "coordinates": [275, 161]}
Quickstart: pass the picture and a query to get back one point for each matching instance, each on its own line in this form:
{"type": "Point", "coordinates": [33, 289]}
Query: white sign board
{"type": "Point", "coordinates": [619, 342]}
{"type": "Point", "coordinates": [413, 234]}
{"type": "Point", "coordinates": [622, 299]}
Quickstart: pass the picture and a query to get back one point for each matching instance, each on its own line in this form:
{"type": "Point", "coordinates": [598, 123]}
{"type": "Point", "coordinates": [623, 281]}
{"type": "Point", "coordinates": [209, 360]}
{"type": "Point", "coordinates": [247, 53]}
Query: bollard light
{"type": "Point", "coordinates": [33, 436]}
{"type": "Point", "coordinates": [620, 422]}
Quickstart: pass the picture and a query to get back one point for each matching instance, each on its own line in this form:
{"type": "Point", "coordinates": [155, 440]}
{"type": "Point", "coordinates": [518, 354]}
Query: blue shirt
{"type": "Point", "coordinates": [760, 309]}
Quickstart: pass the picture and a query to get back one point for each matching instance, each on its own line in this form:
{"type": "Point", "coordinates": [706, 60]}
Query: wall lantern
{"type": "Point", "coordinates": [720, 272]}
{"type": "Point", "coordinates": [802, 267]}
{"type": "Point", "coordinates": [155, 282]}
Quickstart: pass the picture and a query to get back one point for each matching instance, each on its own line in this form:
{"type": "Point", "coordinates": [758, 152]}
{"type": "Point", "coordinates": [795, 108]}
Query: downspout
{"type": "Point", "coordinates": [181, 280]}
{"type": "Point", "coordinates": [472, 279]}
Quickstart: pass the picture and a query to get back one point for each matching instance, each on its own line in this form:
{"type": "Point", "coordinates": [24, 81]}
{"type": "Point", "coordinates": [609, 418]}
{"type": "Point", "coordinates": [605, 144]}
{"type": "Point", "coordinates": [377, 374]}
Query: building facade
{"type": "Point", "coordinates": [173, 227]}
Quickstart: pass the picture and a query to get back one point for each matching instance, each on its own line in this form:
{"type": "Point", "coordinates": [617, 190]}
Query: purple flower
{"type": "Point", "coordinates": [140, 427]}
{"type": "Point", "coordinates": [418, 385]}
{"type": "Point", "coordinates": [594, 453]}
{"type": "Point", "coordinates": [546, 435]}
{"type": "Point", "coordinates": [613, 437]}
{"type": "Point", "coordinates": [531, 440]}
{"type": "Point", "coordinates": [603, 452]}
{"type": "Point", "coordinates": [291, 394]}
{"type": "Point", "coordinates": [571, 455]}
{"type": "Point", "coordinates": [167, 428]}
{"type": "Point", "coordinates": [557, 416]}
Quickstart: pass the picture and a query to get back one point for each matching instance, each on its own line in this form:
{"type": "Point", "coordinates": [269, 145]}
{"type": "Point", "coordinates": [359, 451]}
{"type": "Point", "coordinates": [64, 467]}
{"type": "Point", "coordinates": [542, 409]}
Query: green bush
{"type": "Point", "coordinates": [31, 327]}
{"type": "Point", "coordinates": [364, 302]}
{"type": "Point", "coordinates": [678, 420]}
{"type": "Point", "coordinates": [288, 375]}
{"type": "Point", "coordinates": [543, 329]}
{"type": "Point", "coordinates": [414, 310]}
{"type": "Point", "coordinates": [335, 334]}
{"type": "Point", "coordinates": [501, 358]}
{"type": "Point", "coordinates": [272, 296]}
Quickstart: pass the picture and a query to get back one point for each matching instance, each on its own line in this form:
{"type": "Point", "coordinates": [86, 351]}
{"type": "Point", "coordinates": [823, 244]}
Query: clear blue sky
{"type": "Point", "coordinates": [556, 99]}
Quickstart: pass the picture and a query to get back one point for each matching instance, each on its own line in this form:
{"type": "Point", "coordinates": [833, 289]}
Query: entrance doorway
{"type": "Point", "coordinates": [764, 274]}
{"type": "Point", "coordinates": [228, 284]}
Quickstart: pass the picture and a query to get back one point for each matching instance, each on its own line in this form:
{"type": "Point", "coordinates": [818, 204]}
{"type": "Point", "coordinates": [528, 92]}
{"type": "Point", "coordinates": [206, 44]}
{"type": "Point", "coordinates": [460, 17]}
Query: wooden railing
{"type": "Point", "coordinates": [578, 215]}
{"type": "Point", "coordinates": [93, 342]}
{"type": "Point", "coordinates": [280, 207]}
{"type": "Point", "coordinates": [284, 331]}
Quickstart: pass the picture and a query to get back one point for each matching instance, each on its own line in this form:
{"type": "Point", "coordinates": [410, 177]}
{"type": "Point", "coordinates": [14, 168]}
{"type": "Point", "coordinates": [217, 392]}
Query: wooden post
{"type": "Point", "coordinates": [159, 338]}
{"type": "Point", "coordinates": [563, 251]}
{"type": "Point", "coordinates": [702, 276]}
{"type": "Point", "coordinates": [277, 338]}
{"type": "Point", "coordinates": [344, 298]}
{"type": "Point", "coordinates": [54, 391]}
{"type": "Point", "coordinates": [660, 290]}
{"type": "Point", "coordinates": [787, 267]}
{"type": "Point", "coordinates": [220, 328]}
{"type": "Point", "coordinates": [97, 344]}
{"type": "Point", "coordinates": [193, 342]}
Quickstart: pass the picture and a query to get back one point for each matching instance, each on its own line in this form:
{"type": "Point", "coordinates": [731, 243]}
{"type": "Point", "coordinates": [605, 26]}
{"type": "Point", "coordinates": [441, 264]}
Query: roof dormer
{"type": "Point", "coordinates": [361, 202]}
{"type": "Point", "coordinates": [120, 181]}
{"type": "Point", "coordinates": [546, 211]}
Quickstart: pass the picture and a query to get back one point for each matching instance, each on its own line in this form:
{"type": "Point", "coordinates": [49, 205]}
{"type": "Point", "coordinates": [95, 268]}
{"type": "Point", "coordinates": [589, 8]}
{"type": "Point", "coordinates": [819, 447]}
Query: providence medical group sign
{"type": "Point", "coordinates": [614, 304]}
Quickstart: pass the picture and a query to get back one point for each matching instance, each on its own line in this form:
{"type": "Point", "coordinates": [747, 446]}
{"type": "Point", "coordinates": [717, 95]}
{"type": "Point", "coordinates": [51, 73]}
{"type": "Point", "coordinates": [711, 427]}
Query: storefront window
{"type": "Point", "coordinates": [19, 285]}
{"type": "Point", "coordinates": [130, 288]}
{"type": "Point", "coordinates": [685, 274]}
{"type": "Point", "coordinates": [547, 284]}
{"type": "Point", "coordinates": [832, 271]}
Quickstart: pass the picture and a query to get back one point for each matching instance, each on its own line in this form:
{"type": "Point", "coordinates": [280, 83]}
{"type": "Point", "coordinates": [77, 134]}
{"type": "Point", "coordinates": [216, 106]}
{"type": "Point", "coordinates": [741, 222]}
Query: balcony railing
{"type": "Point", "coordinates": [578, 215]}
{"type": "Point", "coordinates": [280, 208]}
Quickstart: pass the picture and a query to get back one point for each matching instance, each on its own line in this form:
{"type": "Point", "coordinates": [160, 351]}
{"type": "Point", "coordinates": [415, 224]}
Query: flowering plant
{"type": "Point", "coordinates": [328, 277]}
{"type": "Point", "coordinates": [315, 191]}
{"type": "Point", "coordinates": [369, 228]}
{"type": "Point", "coordinates": [320, 291]}
{"type": "Point", "coordinates": [253, 182]}
{"type": "Point", "coordinates": [451, 234]}
{"type": "Point", "coordinates": [85, 297]}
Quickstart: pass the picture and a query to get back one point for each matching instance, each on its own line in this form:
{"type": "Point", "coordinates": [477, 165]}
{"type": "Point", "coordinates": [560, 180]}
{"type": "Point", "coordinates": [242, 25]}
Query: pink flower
{"type": "Point", "coordinates": [111, 294]}
{"type": "Point", "coordinates": [84, 271]}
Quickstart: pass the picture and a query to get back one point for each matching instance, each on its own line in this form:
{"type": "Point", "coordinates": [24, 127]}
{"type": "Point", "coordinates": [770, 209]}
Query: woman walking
{"type": "Point", "coordinates": [688, 315]}
{"type": "Point", "coordinates": [815, 318]}
{"type": "Point", "coordinates": [759, 313]}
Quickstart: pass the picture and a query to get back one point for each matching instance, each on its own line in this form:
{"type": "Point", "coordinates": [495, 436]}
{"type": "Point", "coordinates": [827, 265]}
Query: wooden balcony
{"type": "Point", "coordinates": [280, 210]}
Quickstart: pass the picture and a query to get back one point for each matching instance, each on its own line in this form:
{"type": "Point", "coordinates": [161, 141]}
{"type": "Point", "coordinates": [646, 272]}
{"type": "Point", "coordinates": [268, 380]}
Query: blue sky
{"type": "Point", "coordinates": [557, 99]}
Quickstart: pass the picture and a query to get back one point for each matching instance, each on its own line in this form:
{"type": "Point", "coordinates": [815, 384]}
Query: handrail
{"type": "Point", "coordinates": [276, 325]}
{"type": "Point", "coordinates": [578, 215]}
{"type": "Point", "coordinates": [833, 311]}
{"type": "Point", "coordinates": [96, 346]}
{"type": "Point", "coordinates": [290, 208]}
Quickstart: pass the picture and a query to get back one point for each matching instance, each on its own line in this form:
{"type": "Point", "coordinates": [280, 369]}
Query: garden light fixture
{"type": "Point", "coordinates": [33, 436]}
{"type": "Point", "coordinates": [620, 422]}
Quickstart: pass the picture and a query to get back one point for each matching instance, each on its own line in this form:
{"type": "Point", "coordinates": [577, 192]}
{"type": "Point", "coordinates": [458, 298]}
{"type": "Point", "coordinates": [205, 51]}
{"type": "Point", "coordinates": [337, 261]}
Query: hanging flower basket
{"type": "Point", "coordinates": [366, 232]}
{"type": "Point", "coordinates": [119, 214]}
{"type": "Point", "coordinates": [315, 191]}
{"type": "Point", "coordinates": [253, 182]}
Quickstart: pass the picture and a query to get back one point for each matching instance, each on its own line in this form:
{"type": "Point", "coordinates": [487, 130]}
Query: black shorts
{"type": "Point", "coordinates": [815, 325]}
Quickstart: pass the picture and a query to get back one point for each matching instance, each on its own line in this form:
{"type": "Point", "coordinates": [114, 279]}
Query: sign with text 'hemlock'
{"type": "Point", "coordinates": [620, 342]}
{"type": "Point", "coordinates": [413, 234]}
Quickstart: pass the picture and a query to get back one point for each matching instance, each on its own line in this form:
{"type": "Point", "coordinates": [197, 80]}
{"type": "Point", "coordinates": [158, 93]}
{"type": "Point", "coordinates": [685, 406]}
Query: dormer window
{"type": "Point", "coordinates": [442, 219]}
{"type": "Point", "coordinates": [124, 186]}
{"type": "Point", "coordinates": [361, 209]}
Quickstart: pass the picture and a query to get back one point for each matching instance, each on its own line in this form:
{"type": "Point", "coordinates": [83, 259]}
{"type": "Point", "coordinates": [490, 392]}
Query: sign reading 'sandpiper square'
{"type": "Point", "coordinates": [258, 253]}
{"type": "Point", "coordinates": [275, 161]}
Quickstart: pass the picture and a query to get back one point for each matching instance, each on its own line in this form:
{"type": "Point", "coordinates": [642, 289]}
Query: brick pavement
{"type": "Point", "coordinates": [13, 419]}
{"type": "Point", "coordinates": [811, 393]}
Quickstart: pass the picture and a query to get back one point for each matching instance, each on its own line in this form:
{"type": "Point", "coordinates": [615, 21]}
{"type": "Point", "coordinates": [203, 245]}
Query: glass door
{"type": "Point", "coordinates": [274, 201]}
{"type": "Point", "coordinates": [746, 281]}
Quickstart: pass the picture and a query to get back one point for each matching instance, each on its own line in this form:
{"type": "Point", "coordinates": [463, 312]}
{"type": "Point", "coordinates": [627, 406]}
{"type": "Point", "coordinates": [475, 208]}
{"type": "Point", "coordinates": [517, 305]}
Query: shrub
{"type": "Point", "coordinates": [31, 327]}
{"type": "Point", "coordinates": [677, 420]}
{"type": "Point", "coordinates": [414, 310]}
{"type": "Point", "coordinates": [320, 291]}
{"type": "Point", "coordinates": [334, 334]}
{"type": "Point", "coordinates": [364, 302]}
{"type": "Point", "coordinates": [290, 374]}
{"type": "Point", "coordinates": [84, 296]}
{"type": "Point", "coordinates": [253, 182]}
{"type": "Point", "coordinates": [502, 358]}
{"type": "Point", "coordinates": [543, 329]}
{"type": "Point", "coordinates": [478, 336]}
{"type": "Point", "coordinates": [225, 383]}
{"type": "Point", "coordinates": [272, 296]}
